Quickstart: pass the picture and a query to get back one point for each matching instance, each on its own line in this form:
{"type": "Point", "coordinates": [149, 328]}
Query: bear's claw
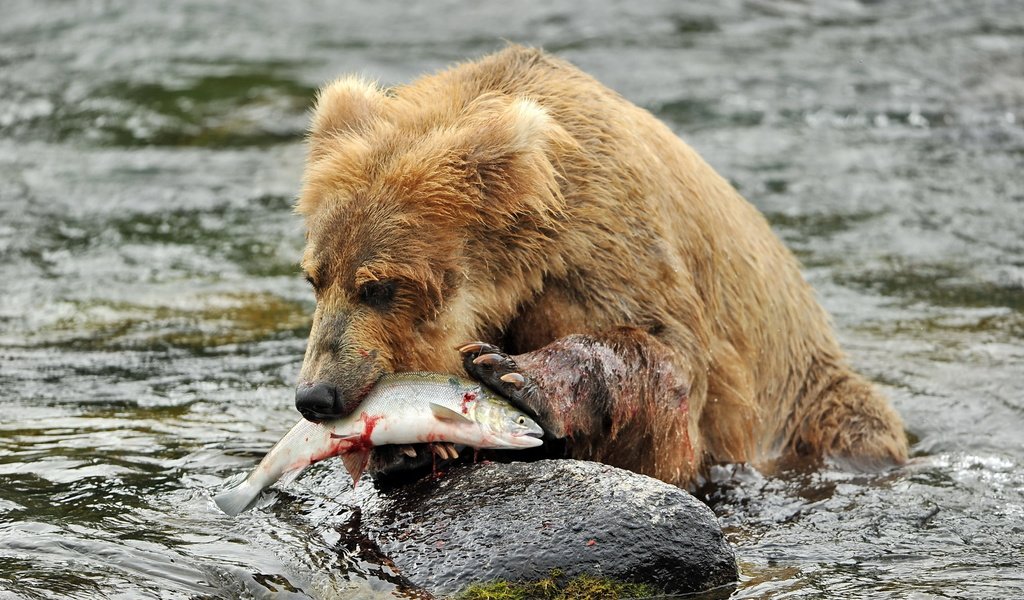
{"type": "Point", "coordinates": [470, 347]}
{"type": "Point", "coordinates": [515, 379]}
{"type": "Point", "coordinates": [445, 450]}
{"type": "Point", "coordinates": [498, 371]}
{"type": "Point", "coordinates": [488, 359]}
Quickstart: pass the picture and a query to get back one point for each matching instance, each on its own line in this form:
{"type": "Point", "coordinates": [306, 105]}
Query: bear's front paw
{"type": "Point", "coordinates": [498, 371]}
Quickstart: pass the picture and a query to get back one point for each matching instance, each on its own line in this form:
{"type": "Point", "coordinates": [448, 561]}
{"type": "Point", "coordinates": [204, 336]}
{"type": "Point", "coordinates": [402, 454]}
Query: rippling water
{"type": "Point", "coordinates": [152, 318]}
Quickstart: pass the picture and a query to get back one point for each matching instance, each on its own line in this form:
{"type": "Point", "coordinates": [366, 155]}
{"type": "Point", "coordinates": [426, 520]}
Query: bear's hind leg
{"type": "Point", "coordinates": [852, 423]}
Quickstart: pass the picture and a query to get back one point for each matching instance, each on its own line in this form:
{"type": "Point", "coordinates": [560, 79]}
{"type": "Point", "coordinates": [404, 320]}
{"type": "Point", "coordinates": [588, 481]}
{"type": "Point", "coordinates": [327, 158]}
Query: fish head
{"type": "Point", "coordinates": [507, 426]}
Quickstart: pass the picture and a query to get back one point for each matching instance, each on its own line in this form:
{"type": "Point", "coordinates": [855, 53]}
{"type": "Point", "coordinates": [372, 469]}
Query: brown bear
{"type": "Point", "coordinates": [652, 319]}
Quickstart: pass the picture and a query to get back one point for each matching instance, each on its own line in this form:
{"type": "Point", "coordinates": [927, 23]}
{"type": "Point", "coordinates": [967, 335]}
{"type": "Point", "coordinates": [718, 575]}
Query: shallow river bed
{"type": "Point", "coordinates": [153, 319]}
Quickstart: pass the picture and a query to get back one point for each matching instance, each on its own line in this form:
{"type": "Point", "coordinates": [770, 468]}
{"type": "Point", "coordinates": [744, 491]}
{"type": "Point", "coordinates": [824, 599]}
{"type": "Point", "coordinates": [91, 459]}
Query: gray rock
{"type": "Point", "coordinates": [518, 521]}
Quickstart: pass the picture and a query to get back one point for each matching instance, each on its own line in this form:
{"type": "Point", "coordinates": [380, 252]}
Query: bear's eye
{"type": "Point", "coordinates": [311, 281]}
{"type": "Point", "coordinates": [377, 294]}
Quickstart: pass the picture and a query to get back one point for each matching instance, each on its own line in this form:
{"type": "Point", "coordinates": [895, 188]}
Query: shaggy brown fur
{"type": "Point", "coordinates": [517, 200]}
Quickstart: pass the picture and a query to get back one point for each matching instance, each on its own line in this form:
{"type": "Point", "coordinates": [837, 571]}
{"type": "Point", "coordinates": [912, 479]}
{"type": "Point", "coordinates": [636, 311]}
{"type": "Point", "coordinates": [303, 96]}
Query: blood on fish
{"type": "Point", "coordinates": [369, 422]}
{"type": "Point", "coordinates": [466, 399]}
{"type": "Point", "coordinates": [337, 446]}
{"type": "Point", "coordinates": [363, 442]}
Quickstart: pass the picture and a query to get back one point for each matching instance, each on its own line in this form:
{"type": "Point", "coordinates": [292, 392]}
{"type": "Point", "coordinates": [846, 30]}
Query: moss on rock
{"type": "Point", "coordinates": [557, 587]}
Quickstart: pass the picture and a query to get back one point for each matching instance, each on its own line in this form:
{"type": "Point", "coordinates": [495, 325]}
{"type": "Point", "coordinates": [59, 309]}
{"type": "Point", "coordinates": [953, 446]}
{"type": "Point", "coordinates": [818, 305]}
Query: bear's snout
{"type": "Point", "coordinates": [318, 401]}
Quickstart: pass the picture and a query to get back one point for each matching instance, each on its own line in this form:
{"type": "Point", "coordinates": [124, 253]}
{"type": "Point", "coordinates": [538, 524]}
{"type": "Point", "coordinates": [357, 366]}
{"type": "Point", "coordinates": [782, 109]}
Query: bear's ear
{"type": "Point", "coordinates": [521, 125]}
{"type": "Point", "coordinates": [348, 105]}
{"type": "Point", "coordinates": [511, 147]}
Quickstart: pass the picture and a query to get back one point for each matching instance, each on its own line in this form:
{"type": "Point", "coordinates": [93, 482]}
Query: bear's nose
{"type": "Point", "coordinates": [318, 401]}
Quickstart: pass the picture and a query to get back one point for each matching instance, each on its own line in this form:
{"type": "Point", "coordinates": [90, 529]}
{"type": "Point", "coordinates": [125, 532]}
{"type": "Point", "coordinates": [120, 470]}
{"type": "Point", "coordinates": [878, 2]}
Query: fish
{"type": "Point", "coordinates": [401, 408]}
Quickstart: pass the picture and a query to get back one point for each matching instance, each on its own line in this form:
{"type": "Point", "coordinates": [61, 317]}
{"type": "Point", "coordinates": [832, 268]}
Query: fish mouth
{"type": "Point", "coordinates": [526, 440]}
{"type": "Point", "coordinates": [531, 432]}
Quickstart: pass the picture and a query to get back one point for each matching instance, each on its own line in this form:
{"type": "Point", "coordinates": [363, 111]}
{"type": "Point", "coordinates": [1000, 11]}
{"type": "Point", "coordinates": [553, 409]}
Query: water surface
{"type": "Point", "coordinates": [153, 319]}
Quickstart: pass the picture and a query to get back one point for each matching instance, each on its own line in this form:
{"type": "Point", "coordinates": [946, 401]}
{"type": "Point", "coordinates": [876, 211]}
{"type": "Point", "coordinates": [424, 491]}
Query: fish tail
{"type": "Point", "coordinates": [238, 498]}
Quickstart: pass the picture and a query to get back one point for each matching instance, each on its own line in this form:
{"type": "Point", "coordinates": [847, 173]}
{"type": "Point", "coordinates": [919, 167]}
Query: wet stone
{"type": "Point", "coordinates": [521, 521]}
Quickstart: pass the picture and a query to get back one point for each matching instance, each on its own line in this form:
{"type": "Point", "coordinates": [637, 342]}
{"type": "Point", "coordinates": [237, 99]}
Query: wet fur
{"type": "Point", "coordinates": [515, 199]}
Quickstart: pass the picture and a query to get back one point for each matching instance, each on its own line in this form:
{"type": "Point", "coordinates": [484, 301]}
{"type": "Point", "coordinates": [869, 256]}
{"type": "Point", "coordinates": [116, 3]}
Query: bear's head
{"type": "Point", "coordinates": [429, 222]}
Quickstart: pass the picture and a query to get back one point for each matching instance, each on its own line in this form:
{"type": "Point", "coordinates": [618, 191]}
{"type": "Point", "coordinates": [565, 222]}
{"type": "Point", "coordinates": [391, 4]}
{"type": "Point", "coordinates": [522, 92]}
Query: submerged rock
{"type": "Point", "coordinates": [521, 521]}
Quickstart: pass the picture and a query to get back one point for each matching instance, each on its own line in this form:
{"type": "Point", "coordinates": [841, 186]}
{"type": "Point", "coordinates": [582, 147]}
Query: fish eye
{"type": "Point", "coordinates": [521, 420]}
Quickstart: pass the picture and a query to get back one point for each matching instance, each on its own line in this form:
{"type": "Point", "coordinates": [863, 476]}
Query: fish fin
{"type": "Point", "coordinates": [238, 498]}
{"type": "Point", "coordinates": [446, 414]}
{"type": "Point", "coordinates": [346, 438]}
{"type": "Point", "coordinates": [288, 477]}
{"type": "Point", "coordinates": [355, 463]}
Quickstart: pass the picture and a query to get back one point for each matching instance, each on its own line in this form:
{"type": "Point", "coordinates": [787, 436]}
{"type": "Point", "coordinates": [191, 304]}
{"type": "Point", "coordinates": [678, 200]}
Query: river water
{"type": "Point", "coordinates": [153, 319]}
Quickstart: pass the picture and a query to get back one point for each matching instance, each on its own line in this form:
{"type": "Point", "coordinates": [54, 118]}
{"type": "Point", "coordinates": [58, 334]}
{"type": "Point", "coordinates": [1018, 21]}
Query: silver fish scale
{"type": "Point", "coordinates": [403, 392]}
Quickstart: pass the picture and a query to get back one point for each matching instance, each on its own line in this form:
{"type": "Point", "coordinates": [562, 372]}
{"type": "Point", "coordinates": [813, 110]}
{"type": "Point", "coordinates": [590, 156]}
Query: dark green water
{"type": "Point", "coordinates": [152, 318]}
